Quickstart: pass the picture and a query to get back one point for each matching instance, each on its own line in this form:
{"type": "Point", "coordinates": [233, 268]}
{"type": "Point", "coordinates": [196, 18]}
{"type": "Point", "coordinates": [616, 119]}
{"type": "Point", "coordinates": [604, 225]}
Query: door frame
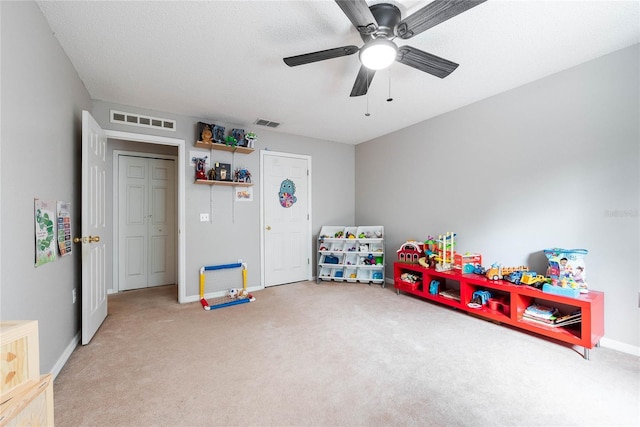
{"type": "Point", "coordinates": [115, 286]}
{"type": "Point", "coordinates": [264, 153]}
{"type": "Point", "coordinates": [181, 189]}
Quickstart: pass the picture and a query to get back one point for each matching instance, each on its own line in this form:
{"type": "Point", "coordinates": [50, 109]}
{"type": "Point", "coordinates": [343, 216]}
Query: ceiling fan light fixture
{"type": "Point", "coordinates": [378, 54]}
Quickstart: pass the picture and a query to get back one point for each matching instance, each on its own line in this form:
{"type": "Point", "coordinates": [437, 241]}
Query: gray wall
{"type": "Point", "coordinates": [234, 230]}
{"type": "Point", "coordinates": [553, 163]}
{"type": "Point", "coordinates": [42, 103]}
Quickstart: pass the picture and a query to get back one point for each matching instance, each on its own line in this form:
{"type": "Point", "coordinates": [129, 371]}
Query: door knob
{"type": "Point", "coordinates": [90, 239]}
{"type": "Point", "coordinates": [268, 227]}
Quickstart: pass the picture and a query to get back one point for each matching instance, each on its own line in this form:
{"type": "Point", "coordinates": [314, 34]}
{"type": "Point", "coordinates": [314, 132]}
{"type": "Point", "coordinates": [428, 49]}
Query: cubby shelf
{"type": "Point", "coordinates": [227, 183]}
{"type": "Point", "coordinates": [350, 255]}
{"type": "Point", "coordinates": [517, 298]}
{"type": "Point", "coordinates": [224, 147]}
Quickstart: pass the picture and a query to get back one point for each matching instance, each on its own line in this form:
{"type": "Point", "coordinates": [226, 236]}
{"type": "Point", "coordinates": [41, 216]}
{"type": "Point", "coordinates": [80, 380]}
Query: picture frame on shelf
{"type": "Point", "coordinates": [238, 134]}
{"type": "Point", "coordinates": [218, 134]}
{"type": "Point", "coordinates": [223, 172]}
{"type": "Point", "coordinates": [205, 133]}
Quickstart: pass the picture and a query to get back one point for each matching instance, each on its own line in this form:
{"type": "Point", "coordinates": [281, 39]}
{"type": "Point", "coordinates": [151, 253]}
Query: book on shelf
{"type": "Point", "coordinates": [551, 322]}
{"type": "Point", "coordinates": [570, 316]}
{"type": "Point", "coordinates": [540, 311]}
{"type": "Point", "coordinates": [453, 294]}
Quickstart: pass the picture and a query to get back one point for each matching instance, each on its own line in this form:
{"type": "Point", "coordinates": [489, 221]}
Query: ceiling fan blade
{"type": "Point", "coordinates": [431, 15]}
{"type": "Point", "coordinates": [308, 58]}
{"type": "Point", "coordinates": [426, 62]}
{"type": "Point", "coordinates": [359, 14]}
{"type": "Point", "coordinates": [363, 80]}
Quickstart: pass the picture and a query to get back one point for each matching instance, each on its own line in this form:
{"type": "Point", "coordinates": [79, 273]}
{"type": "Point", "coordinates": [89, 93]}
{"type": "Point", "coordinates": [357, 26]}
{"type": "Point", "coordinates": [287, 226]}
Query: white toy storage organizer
{"type": "Point", "coordinates": [360, 258]}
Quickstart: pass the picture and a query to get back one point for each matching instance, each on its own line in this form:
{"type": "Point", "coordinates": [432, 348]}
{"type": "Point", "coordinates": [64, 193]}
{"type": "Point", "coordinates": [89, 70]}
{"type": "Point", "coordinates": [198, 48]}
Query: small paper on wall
{"type": "Point", "coordinates": [243, 194]}
{"type": "Point", "coordinates": [45, 214]}
{"type": "Point", "coordinates": [64, 228]}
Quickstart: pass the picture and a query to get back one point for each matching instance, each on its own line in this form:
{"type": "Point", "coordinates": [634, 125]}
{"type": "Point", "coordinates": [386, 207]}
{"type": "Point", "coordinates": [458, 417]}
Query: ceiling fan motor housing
{"type": "Point", "coordinates": [387, 16]}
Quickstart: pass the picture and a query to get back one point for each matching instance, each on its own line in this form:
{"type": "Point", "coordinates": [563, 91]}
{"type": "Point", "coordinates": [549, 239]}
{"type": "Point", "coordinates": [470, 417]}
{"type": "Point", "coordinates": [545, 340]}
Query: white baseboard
{"type": "Point", "coordinates": [65, 356]}
{"type": "Point", "coordinates": [620, 346]}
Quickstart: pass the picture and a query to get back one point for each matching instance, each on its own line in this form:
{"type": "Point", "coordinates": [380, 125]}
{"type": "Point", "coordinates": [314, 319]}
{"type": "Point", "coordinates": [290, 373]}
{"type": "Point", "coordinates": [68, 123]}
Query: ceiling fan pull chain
{"type": "Point", "coordinates": [367, 114]}
{"type": "Point", "coordinates": [389, 99]}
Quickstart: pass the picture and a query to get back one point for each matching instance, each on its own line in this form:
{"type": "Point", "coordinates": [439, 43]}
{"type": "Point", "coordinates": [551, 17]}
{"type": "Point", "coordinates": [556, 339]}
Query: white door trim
{"type": "Point", "coordinates": [180, 143]}
{"type": "Point", "coordinates": [116, 191]}
{"type": "Point", "coordinates": [264, 153]}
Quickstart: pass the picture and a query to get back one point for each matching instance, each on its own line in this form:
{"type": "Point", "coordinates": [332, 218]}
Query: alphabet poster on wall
{"type": "Point", "coordinates": [45, 214]}
{"type": "Point", "coordinates": [64, 228]}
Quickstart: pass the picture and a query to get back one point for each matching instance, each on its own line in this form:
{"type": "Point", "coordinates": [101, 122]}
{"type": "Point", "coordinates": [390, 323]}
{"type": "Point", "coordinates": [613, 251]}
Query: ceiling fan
{"type": "Point", "coordinates": [378, 26]}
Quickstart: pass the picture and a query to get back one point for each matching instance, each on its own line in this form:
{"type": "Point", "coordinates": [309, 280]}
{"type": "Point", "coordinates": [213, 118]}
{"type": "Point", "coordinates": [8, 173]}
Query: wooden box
{"type": "Point", "coordinates": [19, 356]}
{"type": "Point", "coordinates": [30, 406]}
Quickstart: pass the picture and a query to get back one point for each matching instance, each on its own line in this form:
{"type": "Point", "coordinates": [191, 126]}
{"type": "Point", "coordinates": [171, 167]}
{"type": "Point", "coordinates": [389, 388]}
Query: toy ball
{"type": "Point", "coordinates": [233, 293]}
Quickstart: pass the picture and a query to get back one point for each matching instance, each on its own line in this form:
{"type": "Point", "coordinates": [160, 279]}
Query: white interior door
{"type": "Point", "coordinates": [286, 217]}
{"type": "Point", "coordinates": [146, 238]}
{"type": "Point", "coordinates": [94, 286]}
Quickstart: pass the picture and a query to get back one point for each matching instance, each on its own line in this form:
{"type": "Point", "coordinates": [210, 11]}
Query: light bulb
{"type": "Point", "coordinates": [378, 54]}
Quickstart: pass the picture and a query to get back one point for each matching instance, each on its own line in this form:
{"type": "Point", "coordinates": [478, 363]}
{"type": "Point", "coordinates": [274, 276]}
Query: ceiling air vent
{"type": "Point", "coordinates": [267, 123]}
{"type": "Point", "coordinates": [144, 121]}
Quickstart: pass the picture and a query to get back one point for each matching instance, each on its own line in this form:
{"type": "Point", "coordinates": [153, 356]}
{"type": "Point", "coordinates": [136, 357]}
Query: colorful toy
{"type": "Point", "coordinates": [479, 269]}
{"type": "Point", "coordinates": [233, 296]}
{"type": "Point", "coordinates": [231, 141]}
{"type": "Point", "coordinates": [201, 164]}
{"type": "Point", "coordinates": [238, 135]}
{"type": "Point", "coordinates": [495, 272]}
{"type": "Point", "coordinates": [445, 251]}
{"type": "Point", "coordinates": [251, 139]}
{"type": "Point", "coordinates": [410, 252]}
{"type": "Point", "coordinates": [466, 262]}
{"type": "Point", "coordinates": [532, 279]}
{"type": "Point", "coordinates": [434, 287]}
{"type": "Point", "coordinates": [242, 175]}
{"type": "Point", "coordinates": [514, 277]}
{"type": "Point", "coordinates": [567, 264]}
{"type": "Point", "coordinates": [410, 278]}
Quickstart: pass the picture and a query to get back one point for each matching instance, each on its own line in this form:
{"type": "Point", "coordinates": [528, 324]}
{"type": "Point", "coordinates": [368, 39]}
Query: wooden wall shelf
{"type": "Point", "coordinates": [224, 147]}
{"type": "Point", "coordinates": [225, 183]}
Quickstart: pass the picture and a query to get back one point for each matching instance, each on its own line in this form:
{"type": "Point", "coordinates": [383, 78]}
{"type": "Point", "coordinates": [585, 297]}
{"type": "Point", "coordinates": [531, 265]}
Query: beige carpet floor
{"type": "Point", "coordinates": [332, 355]}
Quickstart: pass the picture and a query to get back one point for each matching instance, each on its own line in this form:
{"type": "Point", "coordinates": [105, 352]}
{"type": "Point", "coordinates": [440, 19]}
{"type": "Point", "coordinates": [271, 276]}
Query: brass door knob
{"type": "Point", "coordinates": [268, 227]}
{"type": "Point", "coordinates": [90, 239]}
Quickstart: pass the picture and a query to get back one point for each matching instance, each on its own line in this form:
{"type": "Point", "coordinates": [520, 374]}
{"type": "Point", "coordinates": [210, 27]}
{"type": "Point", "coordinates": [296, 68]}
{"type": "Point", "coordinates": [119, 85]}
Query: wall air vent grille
{"type": "Point", "coordinates": [144, 121]}
{"type": "Point", "coordinates": [267, 123]}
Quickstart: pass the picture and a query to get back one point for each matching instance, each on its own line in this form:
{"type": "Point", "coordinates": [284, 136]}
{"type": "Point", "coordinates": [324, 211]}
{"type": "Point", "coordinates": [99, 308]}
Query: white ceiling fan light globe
{"type": "Point", "coordinates": [378, 54]}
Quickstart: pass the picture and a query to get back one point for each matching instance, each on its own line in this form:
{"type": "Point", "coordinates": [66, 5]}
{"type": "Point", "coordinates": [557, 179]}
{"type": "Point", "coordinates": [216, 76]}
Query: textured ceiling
{"type": "Point", "coordinates": [222, 60]}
